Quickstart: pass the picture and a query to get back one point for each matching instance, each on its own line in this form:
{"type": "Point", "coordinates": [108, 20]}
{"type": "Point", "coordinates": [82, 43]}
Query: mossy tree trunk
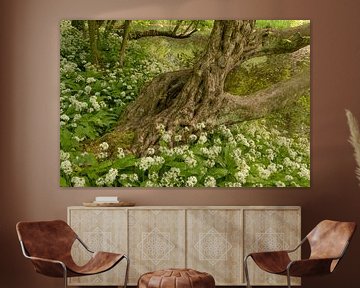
{"type": "Point", "coordinates": [187, 97]}
{"type": "Point", "coordinates": [124, 42]}
{"type": "Point", "coordinates": [93, 39]}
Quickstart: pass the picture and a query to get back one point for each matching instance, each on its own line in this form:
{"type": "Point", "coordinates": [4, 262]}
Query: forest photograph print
{"type": "Point", "coordinates": [185, 103]}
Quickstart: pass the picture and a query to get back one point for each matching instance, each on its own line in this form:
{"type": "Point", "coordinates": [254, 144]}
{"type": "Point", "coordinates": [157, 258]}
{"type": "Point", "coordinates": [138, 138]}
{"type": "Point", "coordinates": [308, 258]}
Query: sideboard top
{"type": "Point", "coordinates": [193, 207]}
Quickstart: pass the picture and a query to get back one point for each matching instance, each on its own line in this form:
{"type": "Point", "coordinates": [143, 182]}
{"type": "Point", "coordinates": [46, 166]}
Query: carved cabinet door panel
{"type": "Point", "coordinates": [214, 244]}
{"type": "Point", "coordinates": [156, 240]}
{"type": "Point", "coordinates": [101, 230]}
{"type": "Point", "coordinates": [269, 230]}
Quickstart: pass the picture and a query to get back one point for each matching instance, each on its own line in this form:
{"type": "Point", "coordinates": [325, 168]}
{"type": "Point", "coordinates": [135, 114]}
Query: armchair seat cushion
{"type": "Point", "coordinates": [99, 262]}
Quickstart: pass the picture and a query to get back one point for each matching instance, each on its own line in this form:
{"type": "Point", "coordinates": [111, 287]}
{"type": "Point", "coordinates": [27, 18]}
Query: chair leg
{"type": "Point", "coordinates": [126, 271]}
{"type": "Point", "coordinates": [288, 278]}
{"type": "Point", "coordinates": [65, 276]}
{"type": "Point", "coordinates": [246, 270]}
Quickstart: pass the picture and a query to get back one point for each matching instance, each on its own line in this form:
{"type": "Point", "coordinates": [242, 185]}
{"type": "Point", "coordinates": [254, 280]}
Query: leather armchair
{"type": "Point", "coordinates": [328, 243]}
{"type": "Point", "coordinates": [48, 245]}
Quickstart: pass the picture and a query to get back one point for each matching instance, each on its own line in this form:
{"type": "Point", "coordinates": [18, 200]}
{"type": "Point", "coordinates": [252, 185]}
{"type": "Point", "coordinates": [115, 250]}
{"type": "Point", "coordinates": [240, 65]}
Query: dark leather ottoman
{"type": "Point", "coordinates": [176, 278]}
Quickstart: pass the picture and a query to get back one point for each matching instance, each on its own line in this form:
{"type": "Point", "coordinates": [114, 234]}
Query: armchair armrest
{"type": "Point", "coordinates": [49, 267]}
{"type": "Point", "coordinates": [312, 266]}
{"type": "Point", "coordinates": [83, 244]}
{"type": "Point", "coordinates": [279, 252]}
{"type": "Point", "coordinates": [298, 246]}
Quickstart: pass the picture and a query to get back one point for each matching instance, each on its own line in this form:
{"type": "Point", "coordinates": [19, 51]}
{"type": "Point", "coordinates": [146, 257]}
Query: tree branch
{"type": "Point", "coordinates": [279, 41]}
{"type": "Point", "coordinates": [152, 32]}
{"type": "Point", "coordinates": [261, 103]}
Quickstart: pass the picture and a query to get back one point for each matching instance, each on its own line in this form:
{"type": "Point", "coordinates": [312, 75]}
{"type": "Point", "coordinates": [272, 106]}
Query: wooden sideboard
{"type": "Point", "coordinates": [213, 239]}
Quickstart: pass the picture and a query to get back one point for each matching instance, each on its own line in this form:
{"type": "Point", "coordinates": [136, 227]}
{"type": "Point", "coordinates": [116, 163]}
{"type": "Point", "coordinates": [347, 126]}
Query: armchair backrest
{"type": "Point", "coordinates": [46, 239]}
{"type": "Point", "coordinates": [329, 239]}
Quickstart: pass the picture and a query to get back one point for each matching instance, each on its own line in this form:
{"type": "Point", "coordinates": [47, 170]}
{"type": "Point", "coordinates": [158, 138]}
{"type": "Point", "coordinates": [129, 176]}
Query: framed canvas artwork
{"type": "Point", "coordinates": [185, 103]}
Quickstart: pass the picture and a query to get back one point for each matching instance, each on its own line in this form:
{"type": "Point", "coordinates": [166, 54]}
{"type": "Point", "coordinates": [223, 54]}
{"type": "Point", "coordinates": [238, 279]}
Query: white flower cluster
{"type": "Point", "coordinates": [66, 167]}
{"type": "Point", "coordinates": [241, 176]}
{"type": "Point", "coordinates": [129, 180]}
{"type": "Point", "coordinates": [145, 163]}
{"type": "Point", "coordinates": [202, 138]}
{"type": "Point", "coordinates": [171, 178]}
{"type": "Point", "coordinates": [78, 181]}
{"type": "Point", "coordinates": [211, 152]}
{"type": "Point", "coordinates": [210, 181]}
{"type": "Point", "coordinates": [291, 164]}
{"type": "Point", "coordinates": [64, 155]}
{"type": "Point", "coordinates": [270, 154]}
{"type": "Point", "coordinates": [150, 151]}
{"type": "Point", "coordinates": [210, 163]}
{"type": "Point", "coordinates": [304, 173]}
{"type": "Point", "coordinates": [94, 103]}
{"type": "Point", "coordinates": [190, 160]}
{"type": "Point", "coordinates": [240, 138]}
{"type": "Point", "coordinates": [87, 89]}
{"type": "Point", "coordinates": [192, 138]}
{"type": "Point", "coordinates": [120, 153]}
{"type": "Point", "coordinates": [64, 117]}
{"type": "Point", "coordinates": [166, 137]}
{"type": "Point", "coordinates": [90, 80]}
{"type": "Point", "coordinates": [191, 181]}
{"type": "Point", "coordinates": [233, 184]}
{"type": "Point", "coordinates": [226, 132]}
{"type": "Point", "coordinates": [67, 67]}
{"type": "Point", "coordinates": [180, 150]}
{"type": "Point", "coordinates": [200, 126]}
{"type": "Point", "coordinates": [78, 139]}
{"type": "Point", "coordinates": [77, 117]}
{"type": "Point", "coordinates": [280, 184]}
{"type": "Point", "coordinates": [78, 105]}
{"type": "Point", "coordinates": [104, 146]}
{"type": "Point", "coordinates": [108, 179]}
{"type": "Point", "coordinates": [263, 173]}
{"type": "Point", "coordinates": [79, 79]}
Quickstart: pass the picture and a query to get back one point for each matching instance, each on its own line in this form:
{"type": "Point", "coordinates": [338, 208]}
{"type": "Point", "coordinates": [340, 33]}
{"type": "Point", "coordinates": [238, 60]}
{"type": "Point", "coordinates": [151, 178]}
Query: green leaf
{"type": "Point", "coordinates": [87, 159]}
{"type": "Point", "coordinates": [218, 172]}
{"type": "Point", "coordinates": [197, 171]}
{"type": "Point", "coordinates": [125, 162]}
{"type": "Point", "coordinates": [63, 182]}
{"type": "Point", "coordinates": [67, 141]}
{"type": "Point", "coordinates": [85, 130]}
{"type": "Point", "coordinates": [229, 159]}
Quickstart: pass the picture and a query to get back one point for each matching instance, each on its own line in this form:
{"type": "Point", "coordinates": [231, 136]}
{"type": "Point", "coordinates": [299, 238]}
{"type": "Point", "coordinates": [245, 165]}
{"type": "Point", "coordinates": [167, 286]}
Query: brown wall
{"type": "Point", "coordinates": [29, 122]}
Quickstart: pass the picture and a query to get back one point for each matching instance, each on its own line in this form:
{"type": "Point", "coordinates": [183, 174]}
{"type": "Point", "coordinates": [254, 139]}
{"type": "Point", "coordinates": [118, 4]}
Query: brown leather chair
{"type": "Point", "coordinates": [48, 245]}
{"type": "Point", "coordinates": [328, 242]}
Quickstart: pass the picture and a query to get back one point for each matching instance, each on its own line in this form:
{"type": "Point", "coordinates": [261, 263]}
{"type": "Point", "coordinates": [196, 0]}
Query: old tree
{"type": "Point", "coordinates": [186, 97]}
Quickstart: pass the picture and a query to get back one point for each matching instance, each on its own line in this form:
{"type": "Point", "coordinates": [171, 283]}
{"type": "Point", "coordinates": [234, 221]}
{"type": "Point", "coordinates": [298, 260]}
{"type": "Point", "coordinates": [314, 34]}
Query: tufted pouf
{"type": "Point", "coordinates": [176, 278]}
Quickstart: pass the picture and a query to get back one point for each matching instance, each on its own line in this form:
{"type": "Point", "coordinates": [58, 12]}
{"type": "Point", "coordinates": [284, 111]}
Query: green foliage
{"type": "Point", "coordinates": [247, 155]}
{"type": "Point", "coordinates": [169, 25]}
{"type": "Point", "coordinates": [72, 45]}
{"type": "Point", "coordinates": [279, 24]}
{"type": "Point", "coordinates": [92, 99]}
